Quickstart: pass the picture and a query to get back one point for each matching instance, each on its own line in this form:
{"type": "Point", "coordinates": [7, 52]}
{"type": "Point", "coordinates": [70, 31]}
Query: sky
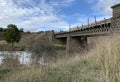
{"type": "Point", "coordinates": [44, 15]}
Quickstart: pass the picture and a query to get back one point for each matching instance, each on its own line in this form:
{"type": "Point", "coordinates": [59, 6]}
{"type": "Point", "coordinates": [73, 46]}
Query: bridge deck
{"type": "Point", "coordinates": [94, 29]}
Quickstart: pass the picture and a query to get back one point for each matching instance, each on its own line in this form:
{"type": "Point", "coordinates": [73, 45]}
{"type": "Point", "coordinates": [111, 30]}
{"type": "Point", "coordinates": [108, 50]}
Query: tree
{"type": "Point", "coordinates": [2, 29]}
{"type": "Point", "coordinates": [12, 34]}
{"type": "Point", "coordinates": [21, 30]}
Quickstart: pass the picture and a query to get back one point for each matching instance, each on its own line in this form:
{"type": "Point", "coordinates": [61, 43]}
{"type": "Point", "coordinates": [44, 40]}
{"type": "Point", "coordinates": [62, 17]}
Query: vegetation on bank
{"type": "Point", "coordinates": [49, 63]}
{"type": "Point", "coordinates": [100, 64]}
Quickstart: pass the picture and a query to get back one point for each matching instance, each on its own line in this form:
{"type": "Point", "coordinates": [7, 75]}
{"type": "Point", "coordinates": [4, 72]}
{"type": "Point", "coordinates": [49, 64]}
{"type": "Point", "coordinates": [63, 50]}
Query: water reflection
{"type": "Point", "coordinates": [24, 57]}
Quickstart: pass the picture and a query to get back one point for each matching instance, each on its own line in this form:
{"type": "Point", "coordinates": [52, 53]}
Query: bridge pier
{"type": "Point", "coordinates": [61, 41]}
{"type": "Point", "coordinates": [116, 18]}
{"type": "Point", "coordinates": [76, 44]}
{"type": "Point", "coordinates": [49, 37]}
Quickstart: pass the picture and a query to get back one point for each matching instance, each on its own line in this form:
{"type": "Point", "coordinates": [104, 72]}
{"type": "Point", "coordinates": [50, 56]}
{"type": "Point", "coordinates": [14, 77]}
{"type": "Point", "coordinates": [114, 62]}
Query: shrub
{"type": "Point", "coordinates": [10, 62]}
{"type": "Point", "coordinates": [39, 50]}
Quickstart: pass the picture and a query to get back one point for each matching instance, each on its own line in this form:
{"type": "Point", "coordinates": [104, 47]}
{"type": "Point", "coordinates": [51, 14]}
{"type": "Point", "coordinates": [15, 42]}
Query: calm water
{"type": "Point", "coordinates": [24, 57]}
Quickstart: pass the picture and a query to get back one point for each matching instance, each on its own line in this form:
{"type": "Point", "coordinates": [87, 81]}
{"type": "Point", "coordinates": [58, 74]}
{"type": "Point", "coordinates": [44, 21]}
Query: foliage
{"type": "Point", "coordinates": [41, 50]}
{"type": "Point", "coordinates": [75, 70]}
{"type": "Point", "coordinates": [12, 34]}
{"type": "Point", "coordinates": [21, 30]}
{"type": "Point", "coordinates": [3, 72]}
{"type": "Point", "coordinates": [101, 64]}
{"type": "Point", "coordinates": [2, 29]}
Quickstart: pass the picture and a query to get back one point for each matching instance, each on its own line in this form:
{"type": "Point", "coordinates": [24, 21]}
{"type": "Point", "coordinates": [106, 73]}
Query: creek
{"type": "Point", "coordinates": [23, 56]}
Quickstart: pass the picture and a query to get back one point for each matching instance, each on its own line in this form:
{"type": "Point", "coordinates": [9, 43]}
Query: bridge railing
{"type": "Point", "coordinates": [91, 24]}
{"type": "Point", "coordinates": [100, 27]}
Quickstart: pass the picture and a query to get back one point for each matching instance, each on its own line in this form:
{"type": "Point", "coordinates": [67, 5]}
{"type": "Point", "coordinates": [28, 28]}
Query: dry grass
{"type": "Point", "coordinates": [3, 42]}
{"type": "Point", "coordinates": [25, 75]}
{"type": "Point", "coordinates": [101, 64]}
{"type": "Point", "coordinates": [107, 54]}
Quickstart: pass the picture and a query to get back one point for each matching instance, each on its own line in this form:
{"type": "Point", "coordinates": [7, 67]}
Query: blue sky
{"type": "Point", "coordinates": [37, 15]}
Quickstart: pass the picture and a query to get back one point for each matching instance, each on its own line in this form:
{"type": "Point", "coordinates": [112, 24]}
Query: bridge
{"type": "Point", "coordinates": [95, 29]}
{"type": "Point", "coordinates": [77, 37]}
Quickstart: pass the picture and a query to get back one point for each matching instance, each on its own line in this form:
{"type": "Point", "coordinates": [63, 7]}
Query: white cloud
{"type": "Point", "coordinates": [90, 1]}
{"type": "Point", "coordinates": [32, 15]}
{"type": "Point", "coordinates": [101, 9]}
{"type": "Point", "coordinates": [104, 6]}
{"type": "Point", "coordinates": [63, 3]}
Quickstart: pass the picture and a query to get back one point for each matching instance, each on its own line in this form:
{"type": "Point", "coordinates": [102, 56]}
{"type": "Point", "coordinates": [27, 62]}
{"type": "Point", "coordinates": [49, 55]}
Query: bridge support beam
{"type": "Point", "coordinates": [76, 45]}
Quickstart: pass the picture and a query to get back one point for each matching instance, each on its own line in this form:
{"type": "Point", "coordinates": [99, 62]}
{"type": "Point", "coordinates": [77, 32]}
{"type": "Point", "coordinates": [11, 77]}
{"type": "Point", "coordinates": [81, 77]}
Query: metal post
{"type": "Point", "coordinates": [77, 27]}
{"type": "Point", "coordinates": [104, 21]}
{"type": "Point", "coordinates": [69, 28]}
{"type": "Point", "coordinates": [82, 25]}
{"type": "Point", "coordinates": [60, 29]}
{"type": "Point", "coordinates": [88, 22]}
{"type": "Point", "coordinates": [95, 20]}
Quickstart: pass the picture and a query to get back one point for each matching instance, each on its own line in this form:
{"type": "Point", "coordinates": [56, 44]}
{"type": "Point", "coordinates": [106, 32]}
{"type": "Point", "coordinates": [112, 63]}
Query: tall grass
{"type": "Point", "coordinates": [107, 54]}
{"type": "Point", "coordinates": [62, 71]}
{"type": "Point", "coordinates": [101, 64]}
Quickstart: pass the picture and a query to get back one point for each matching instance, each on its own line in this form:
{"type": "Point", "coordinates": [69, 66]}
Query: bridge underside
{"type": "Point", "coordinates": [75, 44]}
{"type": "Point", "coordinates": [61, 41]}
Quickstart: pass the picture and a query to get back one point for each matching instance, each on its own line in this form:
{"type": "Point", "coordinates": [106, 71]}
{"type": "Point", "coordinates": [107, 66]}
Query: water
{"type": "Point", "coordinates": [24, 57]}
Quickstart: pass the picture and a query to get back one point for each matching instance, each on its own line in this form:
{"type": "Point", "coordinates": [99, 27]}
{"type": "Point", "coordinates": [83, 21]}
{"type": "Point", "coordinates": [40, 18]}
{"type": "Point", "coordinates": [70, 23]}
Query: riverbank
{"type": "Point", "coordinates": [100, 64]}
